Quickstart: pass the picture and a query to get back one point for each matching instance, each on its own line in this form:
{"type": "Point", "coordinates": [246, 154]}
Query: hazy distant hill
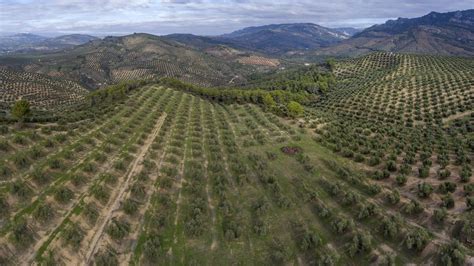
{"type": "Point", "coordinates": [348, 31]}
{"type": "Point", "coordinates": [436, 33]}
{"type": "Point", "coordinates": [25, 42]}
{"type": "Point", "coordinates": [284, 38]}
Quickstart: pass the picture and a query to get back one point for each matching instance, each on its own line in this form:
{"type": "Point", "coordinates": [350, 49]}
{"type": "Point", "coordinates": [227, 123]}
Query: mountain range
{"type": "Point", "coordinates": [276, 39]}
{"type": "Point", "coordinates": [27, 42]}
{"type": "Point", "coordinates": [227, 59]}
{"type": "Point", "coordinates": [449, 33]}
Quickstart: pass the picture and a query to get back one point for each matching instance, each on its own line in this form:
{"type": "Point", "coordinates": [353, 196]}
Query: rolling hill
{"type": "Point", "coordinates": [379, 171]}
{"type": "Point", "coordinates": [138, 56]}
{"type": "Point", "coordinates": [435, 33]}
{"type": "Point", "coordinates": [284, 38]}
{"type": "Point", "coordinates": [26, 43]}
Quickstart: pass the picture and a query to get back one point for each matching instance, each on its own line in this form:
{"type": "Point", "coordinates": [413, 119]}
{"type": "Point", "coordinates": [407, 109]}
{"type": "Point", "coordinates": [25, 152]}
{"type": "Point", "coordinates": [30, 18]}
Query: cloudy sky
{"type": "Point", "coordinates": [103, 17]}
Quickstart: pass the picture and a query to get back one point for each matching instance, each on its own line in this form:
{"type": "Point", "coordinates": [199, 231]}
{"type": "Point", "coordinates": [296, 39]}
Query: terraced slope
{"type": "Point", "coordinates": [138, 56]}
{"type": "Point", "coordinates": [171, 178]}
{"type": "Point", "coordinates": [407, 121]}
{"type": "Point", "coordinates": [43, 92]}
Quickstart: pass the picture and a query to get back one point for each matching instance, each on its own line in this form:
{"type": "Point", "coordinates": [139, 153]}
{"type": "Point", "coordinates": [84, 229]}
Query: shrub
{"type": "Point", "coordinates": [405, 169]}
{"type": "Point", "coordinates": [439, 215]}
{"type": "Point", "coordinates": [39, 177]}
{"type": "Point", "coordinates": [73, 235]}
{"type": "Point", "coordinates": [366, 211]}
{"type": "Point", "coordinates": [138, 191]}
{"type": "Point", "coordinates": [413, 207]}
{"type": "Point", "coordinates": [424, 190]}
{"type": "Point", "coordinates": [20, 160]}
{"type": "Point", "coordinates": [100, 193]}
{"type": "Point", "coordinates": [78, 180]}
{"type": "Point", "coordinates": [416, 239]}
{"type": "Point", "coordinates": [452, 254]}
{"type": "Point", "coordinates": [278, 252]}
{"type": "Point", "coordinates": [443, 174]}
{"type": "Point", "coordinates": [373, 161]}
{"type": "Point", "coordinates": [43, 212]}
{"type": "Point", "coordinates": [232, 228]}
{"type": "Point", "coordinates": [271, 155]}
{"type": "Point", "coordinates": [20, 110]}
{"type": "Point", "coordinates": [63, 195]}
{"type": "Point", "coordinates": [19, 139]}
{"type": "Point", "coordinates": [391, 166]}
{"type": "Point", "coordinates": [21, 234]}
{"type": "Point", "coordinates": [294, 109]}
{"type": "Point", "coordinates": [327, 259]}
{"type": "Point", "coordinates": [4, 206]}
{"type": "Point", "coordinates": [260, 227]}
{"type": "Point", "coordinates": [4, 145]}
{"type": "Point", "coordinates": [20, 189]}
{"type": "Point", "coordinates": [119, 165]}
{"type": "Point", "coordinates": [91, 213]}
{"type": "Point", "coordinates": [379, 175]}
{"type": "Point", "coordinates": [390, 226]}
{"type": "Point", "coordinates": [470, 203]}
{"type": "Point", "coordinates": [401, 180]}
{"type": "Point", "coordinates": [107, 257]}
{"type": "Point", "coordinates": [393, 197]}
{"type": "Point", "coordinates": [309, 241]}
{"type": "Point", "coordinates": [468, 189]}
{"type": "Point", "coordinates": [361, 242]}
{"type": "Point", "coordinates": [89, 167]}
{"type": "Point", "coordinates": [5, 171]}
{"type": "Point", "coordinates": [423, 172]}
{"type": "Point", "coordinates": [465, 174]}
{"type": "Point", "coordinates": [118, 229]}
{"type": "Point", "coordinates": [374, 189]}
{"type": "Point", "coordinates": [130, 207]}
{"type": "Point", "coordinates": [341, 225]}
{"type": "Point", "coordinates": [151, 248]}
{"type": "Point", "coordinates": [446, 187]}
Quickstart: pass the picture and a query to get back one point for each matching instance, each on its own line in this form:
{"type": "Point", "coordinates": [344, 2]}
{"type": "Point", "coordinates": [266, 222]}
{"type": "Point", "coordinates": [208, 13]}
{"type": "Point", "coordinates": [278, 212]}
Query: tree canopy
{"type": "Point", "coordinates": [20, 109]}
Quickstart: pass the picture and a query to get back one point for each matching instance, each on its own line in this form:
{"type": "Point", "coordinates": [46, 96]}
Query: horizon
{"type": "Point", "coordinates": [199, 17]}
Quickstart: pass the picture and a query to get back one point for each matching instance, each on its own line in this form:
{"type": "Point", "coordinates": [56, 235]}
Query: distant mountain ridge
{"type": "Point", "coordinates": [449, 33]}
{"type": "Point", "coordinates": [284, 38]}
{"type": "Point", "coordinates": [27, 42]}
{"type": "Point", "coordinates": [349, 31]}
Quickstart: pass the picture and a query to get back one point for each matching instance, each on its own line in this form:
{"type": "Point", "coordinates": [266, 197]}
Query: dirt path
{"type": "Point", "coordinates": [154, 179]}
{"type": "Point", "coordinates": [456, 116]}
{"type": "Point", "coordinates": [182, 180]}
{"type": "Point", "coordinates": [136, 167]}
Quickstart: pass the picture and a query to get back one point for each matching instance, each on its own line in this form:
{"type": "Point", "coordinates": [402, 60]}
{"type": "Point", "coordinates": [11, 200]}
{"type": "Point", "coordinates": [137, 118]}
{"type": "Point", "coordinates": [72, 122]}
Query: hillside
{"type": "Point", "coordinates": [27, 43]}
{"type": "Point", "coordinates": [139, 56]}
{"type": "Point", "coordinates": [436, 33]}
{"type": "Point", "coordinates": [284, 38]}
{"type": "Point", "coordinates": [11, 43]}
{"type": "Point", "coordinates": [43, 92]}
{"type": "Point", "coordinates": [377, 171]}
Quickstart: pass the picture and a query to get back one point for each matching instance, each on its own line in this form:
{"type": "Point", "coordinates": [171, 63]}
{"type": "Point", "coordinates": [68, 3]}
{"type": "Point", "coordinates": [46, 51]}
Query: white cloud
{"type": "Point", "coordinates": [204, 16]}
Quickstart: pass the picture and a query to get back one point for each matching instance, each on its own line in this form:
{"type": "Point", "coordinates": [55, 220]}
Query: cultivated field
{"type": "Point", "coordinates": [171, 178]}
{"type": "Point", "coordinates": [378, 171]}
{"type": "Point", "coordinates": [42, 91]}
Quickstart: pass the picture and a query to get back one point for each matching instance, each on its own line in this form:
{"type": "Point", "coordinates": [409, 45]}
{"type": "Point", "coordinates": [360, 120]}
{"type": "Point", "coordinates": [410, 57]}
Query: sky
{"type": "Point", "coordinates": [204, 17]}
